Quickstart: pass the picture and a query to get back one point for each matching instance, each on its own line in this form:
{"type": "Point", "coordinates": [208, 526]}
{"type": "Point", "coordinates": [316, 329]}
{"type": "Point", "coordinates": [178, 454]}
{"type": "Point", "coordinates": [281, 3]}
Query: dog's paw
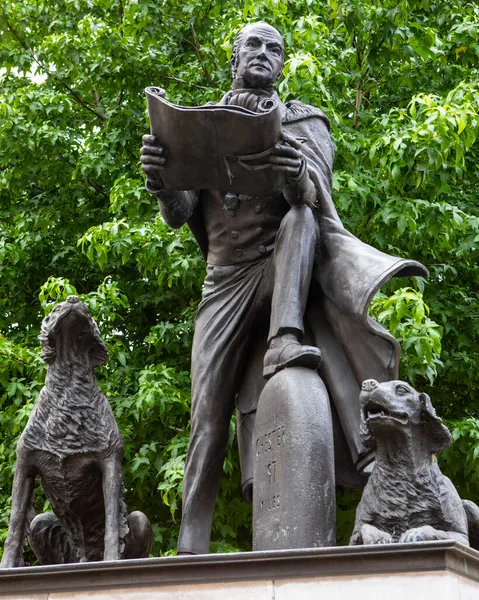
{"type": "Point", "coordinates": [421, 534]}
{"type": "Point", "coordinates": [373, 535]}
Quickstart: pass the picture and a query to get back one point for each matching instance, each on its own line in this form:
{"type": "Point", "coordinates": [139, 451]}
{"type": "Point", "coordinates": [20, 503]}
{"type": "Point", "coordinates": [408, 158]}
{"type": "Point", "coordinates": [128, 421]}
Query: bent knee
{"type": "Point", "coordinates": [300, 218]}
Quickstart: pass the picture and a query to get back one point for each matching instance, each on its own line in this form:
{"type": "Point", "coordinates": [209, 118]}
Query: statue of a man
{"type": "Point", "coordinates": [276, 275]}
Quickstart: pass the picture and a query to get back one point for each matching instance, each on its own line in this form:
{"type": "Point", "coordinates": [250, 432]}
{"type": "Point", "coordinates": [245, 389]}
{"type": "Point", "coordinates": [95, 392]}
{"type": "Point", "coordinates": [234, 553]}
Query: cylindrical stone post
{"type": "Point", "coordinates": [294, 504]}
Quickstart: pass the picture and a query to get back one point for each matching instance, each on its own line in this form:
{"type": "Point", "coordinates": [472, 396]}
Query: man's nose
{"type": "Point", "coordinates": [262, 50]}
{"type": "Point", "coordinates": [369, 384]}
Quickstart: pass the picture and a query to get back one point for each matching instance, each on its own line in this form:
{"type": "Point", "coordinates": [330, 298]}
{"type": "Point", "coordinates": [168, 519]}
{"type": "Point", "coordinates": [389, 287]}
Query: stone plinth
{"type": "Point", "coordinates": [429, 570]}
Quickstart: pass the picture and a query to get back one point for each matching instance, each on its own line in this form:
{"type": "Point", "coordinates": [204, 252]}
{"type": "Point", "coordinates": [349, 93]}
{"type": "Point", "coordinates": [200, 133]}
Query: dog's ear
{"type": "Point", "coordinates": [98, 353]}
{"type": "Point", "coordinates": [438, 434]}
{"type": "Point", "coordinates": [48, 349]}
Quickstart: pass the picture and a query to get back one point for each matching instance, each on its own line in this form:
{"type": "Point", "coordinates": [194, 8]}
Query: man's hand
{"type": "Point", "coordinates": [152, 161]}
{"type": "Point", "coordinates": [288, 158]}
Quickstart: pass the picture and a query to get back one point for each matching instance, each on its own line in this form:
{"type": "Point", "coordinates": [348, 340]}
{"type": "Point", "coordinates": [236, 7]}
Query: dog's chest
{"type": "Point", "coordinates": [65, 424]}
{"type": "Point", "coordinates": [396, 502]}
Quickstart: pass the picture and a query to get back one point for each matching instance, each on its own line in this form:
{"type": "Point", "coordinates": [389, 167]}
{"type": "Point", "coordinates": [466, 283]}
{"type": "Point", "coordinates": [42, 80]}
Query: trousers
{"type": "Point", "coordinates": [238, 300]}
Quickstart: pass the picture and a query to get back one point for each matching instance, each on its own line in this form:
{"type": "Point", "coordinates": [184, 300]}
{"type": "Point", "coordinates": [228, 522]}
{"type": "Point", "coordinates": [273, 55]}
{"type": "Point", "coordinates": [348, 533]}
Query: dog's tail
{"type": "Point", "coordinates": [472, 514]}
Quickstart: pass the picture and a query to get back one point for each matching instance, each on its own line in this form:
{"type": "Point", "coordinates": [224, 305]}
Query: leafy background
{"type": "Point", "coordinates": [399, 81]}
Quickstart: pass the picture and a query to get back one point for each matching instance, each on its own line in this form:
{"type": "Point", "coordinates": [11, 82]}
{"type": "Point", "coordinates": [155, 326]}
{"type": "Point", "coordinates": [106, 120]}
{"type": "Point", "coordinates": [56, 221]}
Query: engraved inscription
{"type": "Point", "coordinates": [267, 447]}
{"type": "Point", "coordinates": [271, 470]}
{"type": "Point", "coordinates": [270, 440]}
{"type": "Point", "coordinates": [270, 503]}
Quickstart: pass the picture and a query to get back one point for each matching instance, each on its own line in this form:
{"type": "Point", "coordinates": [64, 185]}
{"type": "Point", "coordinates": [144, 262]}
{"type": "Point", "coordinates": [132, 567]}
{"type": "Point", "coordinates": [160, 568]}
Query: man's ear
{"type": "Point", "coordinates": [437, 433]}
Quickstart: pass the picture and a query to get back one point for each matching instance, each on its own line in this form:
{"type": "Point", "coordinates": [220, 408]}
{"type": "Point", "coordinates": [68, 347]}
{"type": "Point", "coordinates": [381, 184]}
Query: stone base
{"type": "Point", "coordinates": [435, 570]}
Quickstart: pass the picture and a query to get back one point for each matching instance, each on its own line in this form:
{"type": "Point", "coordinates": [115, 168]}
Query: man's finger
{"type": "Point", "coordinates": [152, 160]}
{"type": "Point", "coordinates": [286, 161]}
{"type": "Point", "coordinates": [151, 171]}
{"type": "Point", "coordinates": [283, 150]}
{"type": "Point", "coordinates": [151, 150]}
{"type": "Point", "coordinates": [150, 139]}
{"type": "Point", "coordinates": [291, 171]}
{"type": "Point", "coordinates": [289, 139]}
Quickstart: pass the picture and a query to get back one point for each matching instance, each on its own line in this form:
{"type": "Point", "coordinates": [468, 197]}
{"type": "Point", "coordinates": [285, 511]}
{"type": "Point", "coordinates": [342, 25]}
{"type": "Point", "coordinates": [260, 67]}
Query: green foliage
{"type": "Point", "coordinates": [404, 314]}
{"type": "Point", "coordinates": [399, 83]}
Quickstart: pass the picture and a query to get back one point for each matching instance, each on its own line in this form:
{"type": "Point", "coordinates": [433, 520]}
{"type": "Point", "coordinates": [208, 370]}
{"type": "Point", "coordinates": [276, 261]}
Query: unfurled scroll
{"type": "Point", "coordinates": [217, 147]}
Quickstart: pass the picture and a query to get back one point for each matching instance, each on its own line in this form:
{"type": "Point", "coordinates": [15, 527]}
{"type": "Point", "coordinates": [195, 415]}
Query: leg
{"type": "Point", "coordinates": [49, 542]}
{"type": "Point", "coordinates": [139, 539]}
{"type": "Point", "coordinates": [21, 498]}
{"type": "Point", "coordinates": [294, 253]}
{"type": "Point", "coordinates": [224, 321]}
{"type": "Point", "coordinates": [112, 482]}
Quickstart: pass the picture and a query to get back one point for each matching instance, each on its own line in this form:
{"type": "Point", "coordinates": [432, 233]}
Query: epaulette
{"type": "Point", "coordinates": [297, 111]}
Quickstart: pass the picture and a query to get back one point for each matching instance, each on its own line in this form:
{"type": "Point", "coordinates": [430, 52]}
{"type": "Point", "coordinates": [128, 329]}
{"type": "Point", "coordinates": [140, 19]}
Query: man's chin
{"type": "Point", "coordinates": [261, 80]}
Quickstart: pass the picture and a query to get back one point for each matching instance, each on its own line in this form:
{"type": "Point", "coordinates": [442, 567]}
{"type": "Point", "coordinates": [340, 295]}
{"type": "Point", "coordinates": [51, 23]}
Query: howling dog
{"type": "Point", "coordinates": [73, 443]}
{"type": "Point", "coordinates": [407, 498]}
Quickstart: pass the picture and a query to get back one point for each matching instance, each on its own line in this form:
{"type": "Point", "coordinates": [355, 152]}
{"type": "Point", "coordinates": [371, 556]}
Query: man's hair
{"type": "Point", "coordinates": [238, 42]}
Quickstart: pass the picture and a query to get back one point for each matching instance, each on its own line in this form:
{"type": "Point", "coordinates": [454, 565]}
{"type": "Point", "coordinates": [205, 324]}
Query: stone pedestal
{"type": "Point", "coordinates": [293, 482]}
{"type": "Point", "coordinates": [426, 571]}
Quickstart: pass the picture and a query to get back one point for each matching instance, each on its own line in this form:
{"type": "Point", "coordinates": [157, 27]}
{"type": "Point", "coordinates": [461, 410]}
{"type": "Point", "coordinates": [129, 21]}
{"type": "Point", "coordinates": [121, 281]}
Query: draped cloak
{"type": "Point", "coordinates": [349, 273]}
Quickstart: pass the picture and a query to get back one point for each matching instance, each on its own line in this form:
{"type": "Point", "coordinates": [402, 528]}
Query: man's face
{"type": "Point", "coordinates": [260, 57]}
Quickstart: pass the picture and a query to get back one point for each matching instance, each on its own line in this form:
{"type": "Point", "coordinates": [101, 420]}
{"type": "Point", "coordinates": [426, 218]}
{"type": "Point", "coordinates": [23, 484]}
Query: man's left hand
{"type": "Point", "coordinates": [288, 158]}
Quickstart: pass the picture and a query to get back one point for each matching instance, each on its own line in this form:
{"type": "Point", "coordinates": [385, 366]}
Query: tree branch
{"type": "Point", "coordinates": [75, 95]}
{"type": "Point", "coordinates": [171, 78]}
{"type": "Point", "coordinates": [196, 46]}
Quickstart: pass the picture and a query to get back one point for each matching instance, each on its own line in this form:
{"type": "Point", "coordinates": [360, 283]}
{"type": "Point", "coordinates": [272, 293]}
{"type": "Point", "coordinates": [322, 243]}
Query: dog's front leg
{"type": "Point", "coordinates": [21, 497]}
{"type": "Point", "coordinates": [112, 481]}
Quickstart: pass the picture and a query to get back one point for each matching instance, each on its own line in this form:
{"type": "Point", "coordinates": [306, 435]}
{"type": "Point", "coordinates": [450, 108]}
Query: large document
{"type": "Point", "coordinates": [217, 147]}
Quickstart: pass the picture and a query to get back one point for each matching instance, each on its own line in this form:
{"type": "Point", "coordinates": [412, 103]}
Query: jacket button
{"type": "Point", "coordinates": [239, 253]}
{"type": "Point", "coordinates": [262, 249]}
{"type": "Point", "coordinates": [234, 235]}
{"type": "Point", "coordinates": [258, 209]}
{"type": "Point", "coordinates": [259, 231]}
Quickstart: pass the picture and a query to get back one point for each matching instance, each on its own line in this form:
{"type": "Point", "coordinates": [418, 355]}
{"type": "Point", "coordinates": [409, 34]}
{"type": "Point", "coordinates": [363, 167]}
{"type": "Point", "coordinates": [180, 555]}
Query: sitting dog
{"type": "Point", "coordinates": [72, 441]}
{"type": "Point", "coordinates": [407, 498]}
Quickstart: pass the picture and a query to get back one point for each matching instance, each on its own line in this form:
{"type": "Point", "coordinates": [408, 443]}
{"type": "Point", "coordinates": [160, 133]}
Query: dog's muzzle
{"type": "Point", "coordinates": [369, 384]}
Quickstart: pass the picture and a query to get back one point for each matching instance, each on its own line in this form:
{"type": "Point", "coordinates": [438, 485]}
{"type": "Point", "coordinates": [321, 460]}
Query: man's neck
{"type": "Point", "coordinates": [238, 83]}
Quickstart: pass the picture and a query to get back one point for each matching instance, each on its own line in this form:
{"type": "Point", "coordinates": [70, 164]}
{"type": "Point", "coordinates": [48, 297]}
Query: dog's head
{"type": "Point", "coordinates": [70, 325]}
{"type": "Point", "coordinates": [393, 405]}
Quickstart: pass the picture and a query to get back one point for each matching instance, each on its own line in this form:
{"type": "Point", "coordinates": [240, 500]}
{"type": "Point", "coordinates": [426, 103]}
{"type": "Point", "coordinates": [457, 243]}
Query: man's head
{"type": "Point", "coordinates": [258, 56]}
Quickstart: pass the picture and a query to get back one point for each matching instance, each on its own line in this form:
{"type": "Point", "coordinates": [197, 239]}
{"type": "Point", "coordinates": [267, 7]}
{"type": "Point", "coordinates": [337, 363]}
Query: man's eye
{"type": "Point", "coordinates": [276, 51]}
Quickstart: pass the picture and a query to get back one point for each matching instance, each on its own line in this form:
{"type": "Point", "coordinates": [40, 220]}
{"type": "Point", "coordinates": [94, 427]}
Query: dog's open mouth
{"type": "Point", "coordinates": [374, 411]}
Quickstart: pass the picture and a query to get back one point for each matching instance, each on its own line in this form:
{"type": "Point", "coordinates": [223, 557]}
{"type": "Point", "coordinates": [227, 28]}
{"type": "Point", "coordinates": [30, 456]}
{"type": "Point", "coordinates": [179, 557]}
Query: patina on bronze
{"type": "Point", "coordinates": [73, 443]}
{"type": "Point", "coordinates": [279, 274]}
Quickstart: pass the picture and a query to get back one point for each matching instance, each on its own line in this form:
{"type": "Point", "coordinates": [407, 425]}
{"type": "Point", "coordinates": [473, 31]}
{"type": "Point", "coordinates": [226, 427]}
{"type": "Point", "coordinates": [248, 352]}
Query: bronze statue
{"type": "Point", "coordinates": [73, 443]}
{"type": "Point", "coordinates": [286, 285]}
{"type": "Point", "coordinates": [407, 498]}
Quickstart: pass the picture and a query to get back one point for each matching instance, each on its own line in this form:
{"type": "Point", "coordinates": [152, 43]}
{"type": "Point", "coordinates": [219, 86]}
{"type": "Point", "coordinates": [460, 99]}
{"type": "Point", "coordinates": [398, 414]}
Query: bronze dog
{"type": "Point", "coordinates": [407, 498]}
{"type": "Point", "coordinates": [73, 442]}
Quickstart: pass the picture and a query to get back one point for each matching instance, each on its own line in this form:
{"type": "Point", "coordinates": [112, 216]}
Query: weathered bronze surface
{"type": "Point", "coordinates": [73, 443]}
{"type": "Point", "coordinates": [407, 498]}
{"type": "Point", "coordinates": [286, 285]}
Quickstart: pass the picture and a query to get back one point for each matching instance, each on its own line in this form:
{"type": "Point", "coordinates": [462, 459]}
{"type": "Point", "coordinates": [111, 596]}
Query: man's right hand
{"type": "Point", "coordinates": [152, 160]}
